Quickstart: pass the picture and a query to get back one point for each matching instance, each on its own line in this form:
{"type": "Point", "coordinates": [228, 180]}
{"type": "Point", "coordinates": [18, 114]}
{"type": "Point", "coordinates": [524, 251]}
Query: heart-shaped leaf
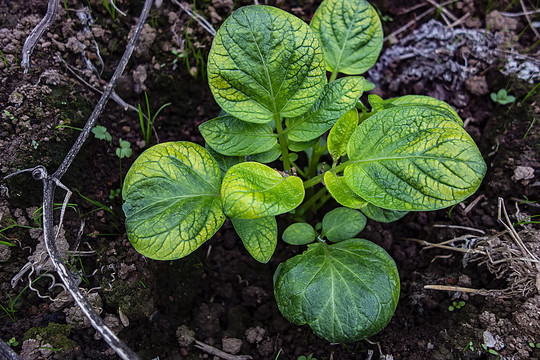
{"type": "Point", "coordinates": [382, 215]}
{"type": "Point", "coordinates": [339, 135]}
{"type": "Point", "coordinates": [426, 101]}
{"type": "Point", "coordinates": [251, 190]}
{"type": "Point", "coordinates": [413, 158]}
{"type": "Point", "coordinates": [265, 64]}
{"type": "Point", "coordinates": [350, 34]}
{"type": "Point", "coordinates": [345, 292]}
{"type": "Point", "coordinates": [258, 235]}
{"type": "Point", "coordinates": [336, 99]}
{"type": "Point", "coordinates": [338, 188]}
{"type": "Point", "coordinates": [299, 234]}
{"type": "Point", "coordinates": [172, 200]}
{"type": "Point", "coordinates": [342, 224]}
{"type": "Point", "coordinates": [233, 137]}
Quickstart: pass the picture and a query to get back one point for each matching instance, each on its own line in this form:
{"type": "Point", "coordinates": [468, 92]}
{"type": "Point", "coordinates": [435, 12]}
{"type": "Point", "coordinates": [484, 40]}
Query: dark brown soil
{"type": "Point", "coordinates": [220, 292]}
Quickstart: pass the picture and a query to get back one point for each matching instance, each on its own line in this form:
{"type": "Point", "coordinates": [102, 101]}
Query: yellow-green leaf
{"type": "Point", "coordinates": [426, 101]}
{"type": "Point", "coordinates": [341, 192]}
{"type": "Point", "coordinates": [172, 200]}
{"type": "Point", "coordinates": [413, 158]}
{"type": "Point", "coordinates": [340, 134]}
{"type": "Point", "coordinates": [251, 190]}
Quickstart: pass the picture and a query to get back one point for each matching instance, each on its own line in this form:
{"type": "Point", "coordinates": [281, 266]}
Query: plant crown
{"type": "Point", "coordinates": [267, 71]}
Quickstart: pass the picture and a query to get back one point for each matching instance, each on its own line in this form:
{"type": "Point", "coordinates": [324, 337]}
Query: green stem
{"type": "Point", "coordinates": [283, 143]}
{"type": "Point", "coordinates": [317, 179]}
{"type": "Point", "coordinates": [303, 174]}
{"type": "Point", "coordinates": [311, 201]}
{"type": "Point", "coordinates": [334, 75]}
{"type": "Point", "coordinates": [323, 201]}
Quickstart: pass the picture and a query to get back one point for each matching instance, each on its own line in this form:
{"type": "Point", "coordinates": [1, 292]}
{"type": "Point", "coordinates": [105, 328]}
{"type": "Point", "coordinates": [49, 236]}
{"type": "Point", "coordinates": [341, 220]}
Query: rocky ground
{"type": "Point", "coordinates": [219, 295]}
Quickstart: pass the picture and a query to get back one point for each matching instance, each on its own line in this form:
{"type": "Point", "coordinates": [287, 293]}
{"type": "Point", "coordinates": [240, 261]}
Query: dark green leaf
{"type": "Point", "coordinates": [299, 234]}
{"type": "Point", "coordinates": [382, 215]}
{"type": "Point", "coordinates": [345, 292]}
{"type": "Point", "coordinates": [342, 224]}
{"type": "Point", "coordinates": [258, 235]}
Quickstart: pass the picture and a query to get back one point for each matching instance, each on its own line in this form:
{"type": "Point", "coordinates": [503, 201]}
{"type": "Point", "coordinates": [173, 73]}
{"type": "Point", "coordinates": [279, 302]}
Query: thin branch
{"type": "Point", "coordinates": [198, 18]}
{"type": "Point", "coordinates": [49, 185]}
{"type": "Point", "coordinates": [457, 289]}
{"type": "Point", "coordinates": [526, 13]}
{"type": "Point", "coordinates": [37, 33]}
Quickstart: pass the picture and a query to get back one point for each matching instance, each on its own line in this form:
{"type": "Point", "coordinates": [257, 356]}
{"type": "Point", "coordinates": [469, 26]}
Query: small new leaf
{"type": "Point", "coordinates": [341, 192]}
{"type": "Point", "coordinates": [251, 190]}
{"type": "Point", "coordinates": [100, 132]}
{"type": "Point", "coordinates": [340, 134]}
{"type": "Point", "coordinates": [342, 224]}
{"type": "Point", "coordinates": [124, 151]}
{"type": "Point", "coordinates": [299, 234]}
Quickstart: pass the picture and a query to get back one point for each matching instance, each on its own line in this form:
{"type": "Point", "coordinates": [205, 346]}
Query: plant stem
{"type": "Point", "coordinates": [311, 201]}
{"type": "Point", "coordinates": [334, 75]}
{"type": "Point", "coordinates": [283, 143]}
{"type": "Point", "coordinates": [317, 179]}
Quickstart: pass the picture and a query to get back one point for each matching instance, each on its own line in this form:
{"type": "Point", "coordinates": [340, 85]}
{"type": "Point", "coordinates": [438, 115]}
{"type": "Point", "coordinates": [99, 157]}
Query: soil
{"type": "Point", "coordinates": [220, 295]}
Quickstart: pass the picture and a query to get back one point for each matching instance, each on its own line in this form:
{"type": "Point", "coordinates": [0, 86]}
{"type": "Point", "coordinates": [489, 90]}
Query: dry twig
{"type": "Point", "coordinates": [216, 352]}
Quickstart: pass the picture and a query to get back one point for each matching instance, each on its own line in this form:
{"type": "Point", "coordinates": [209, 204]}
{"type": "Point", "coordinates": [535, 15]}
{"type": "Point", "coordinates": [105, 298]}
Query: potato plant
{"type": "Point", "coordinates": [267, 70]}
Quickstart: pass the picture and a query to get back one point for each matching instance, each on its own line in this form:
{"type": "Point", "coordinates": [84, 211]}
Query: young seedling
{"type": "Point", "coordinates": [456, 305]}
{"type": "Point", "coordinates": [100, 132]}
{"type": "Point", "coordinates": [147, 122]}
{"type": "Point", "coordinates": [267, 71]}
{"type": "Point", "coordinates": [502, 97]}
{"type": "Point", "coordinates": [12, 342]}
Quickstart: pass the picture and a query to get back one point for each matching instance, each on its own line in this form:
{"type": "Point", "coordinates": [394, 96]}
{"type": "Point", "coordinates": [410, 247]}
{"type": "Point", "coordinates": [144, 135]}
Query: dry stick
{"type": "Point", "coordinates": [457, 288]}
{"type": "Point", "coordinates": [460, 227]}
{"type": "Point", "coordinates": [50, 183]}
{"type": "Point", "coordinates": [213, 351]}
{"type": "Point", "coordinates": [37, 33]}
{"type": "Point", "coordinates": [526, 13]}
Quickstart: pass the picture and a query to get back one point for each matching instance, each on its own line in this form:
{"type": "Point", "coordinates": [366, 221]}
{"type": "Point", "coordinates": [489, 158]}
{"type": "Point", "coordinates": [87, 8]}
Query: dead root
{"type": "Point", "coordinates": [509, 255]}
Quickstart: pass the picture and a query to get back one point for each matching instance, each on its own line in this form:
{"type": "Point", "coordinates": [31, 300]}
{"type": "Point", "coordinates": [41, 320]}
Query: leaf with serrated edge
{"type": "Point", "coordinates": [341, 192]}
{"type": "Point", "coordinates": [258, 235]}
{"type": "Point", "coordinates": [339, 135]}
{"type": "Point", "coordinates": [350, 33]}
{"type": "Point", "coordinates": [251, 190]}
{"type": "Point", "coordinates": [233, 137]}
{"type": "Point", "coordinates": [345, 292]}
{"type": "Point", "coordinates": [336, 99]}
{"type": "Point", "coordinates": [342, 224]}
{"type": "Point", "coordinates": [172, 200]}
{"type": "Point", "coordinates": [299, 234]}
{"type": "Point", "coordinates": [265, 64]}
{"type": "Point", "coordinates": [413, 158]}
{"type": "Point", "coordinates": [382, 215]}
{"type": "Point", "coordinates": [426, 101]}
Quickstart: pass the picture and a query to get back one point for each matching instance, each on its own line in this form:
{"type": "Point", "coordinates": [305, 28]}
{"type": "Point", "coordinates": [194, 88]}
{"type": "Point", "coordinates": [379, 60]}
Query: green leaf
{"type": "Point", "coordinates": [350, 33]}
{"type": "Point", "coordinates": [368, 85]}
{"type": "Point", "coordinates": [251, 190]}
{"type": "Point", "coordinates": [341, 192]}
{"type": "Point", "coordinates": [302, 145]}
{"type": "Point", "coordinates": [299, 234]}
{"type": "Point", "coordinates": [172, 200]}
{"type": "Point", "coordinates": [345, 292]}
{"type": "Point", "coordinates": [233, 137]}
{"type": "Point", "coordinates": [100, 132]}
{"type": "Point", "coordinates": [382, 215]}
{"type": "Point", "coordinates": [342, 224]}
{"type": "Point", "coordinates": [265, 64]}
{"type": "Point", "coordinates": [124, 151]}
{"type": "Point", "coordinates": [376, 102]}
{"type": "Point", "coordinates": [429, 102]}
{"type": "Point", "coordinates": [336, 99]}
{"type": "Point", "coordinates": [258, 235]}
{"type": "Point", "coordinates": [267, 156]}
{"type": "Point", "coordinates": [340, 133]}
{"type": "Point", "coordinates": [224, 162]}
{"type": "Point", "coordinates": [413, 158]}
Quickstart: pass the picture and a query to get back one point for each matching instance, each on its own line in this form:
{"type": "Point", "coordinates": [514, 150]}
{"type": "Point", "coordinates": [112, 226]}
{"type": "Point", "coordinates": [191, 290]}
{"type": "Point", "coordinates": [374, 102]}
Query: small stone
{"type": "Point", "coordinates": [185, 336]}
{"type": "Point", "coordinates": [523, 173]}
{"type": "Point", "coordinates": [255, 335]}
{"type": "Point", "coordinates": [231, 345]}
{"type": "Point", "coordinates": [496, 21]}
{"type": "Point", "coordinates": [477, 85]}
